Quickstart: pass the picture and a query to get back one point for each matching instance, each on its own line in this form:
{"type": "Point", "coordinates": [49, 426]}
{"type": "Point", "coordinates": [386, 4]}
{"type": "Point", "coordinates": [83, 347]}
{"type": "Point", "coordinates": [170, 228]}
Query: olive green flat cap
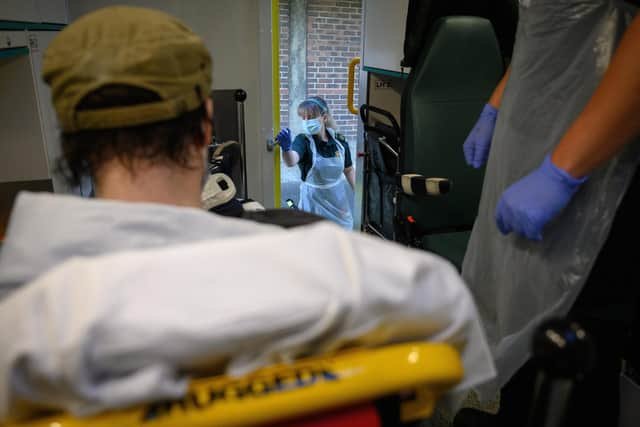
{"type": "Point", "coordinates": [127, 46]}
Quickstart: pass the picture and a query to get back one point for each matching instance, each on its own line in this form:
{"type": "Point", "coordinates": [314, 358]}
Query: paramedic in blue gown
{"type": "Point", "coordinates": [324, 159]}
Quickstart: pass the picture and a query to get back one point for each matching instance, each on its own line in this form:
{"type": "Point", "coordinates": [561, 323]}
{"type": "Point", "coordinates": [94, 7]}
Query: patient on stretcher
{"type": "Point", "coordinates": [110, 302]}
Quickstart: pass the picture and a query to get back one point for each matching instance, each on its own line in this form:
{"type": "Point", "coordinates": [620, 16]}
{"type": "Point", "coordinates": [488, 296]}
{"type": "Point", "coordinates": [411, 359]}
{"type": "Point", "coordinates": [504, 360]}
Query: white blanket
{"type": "Point", "coordinates": [111, 331]}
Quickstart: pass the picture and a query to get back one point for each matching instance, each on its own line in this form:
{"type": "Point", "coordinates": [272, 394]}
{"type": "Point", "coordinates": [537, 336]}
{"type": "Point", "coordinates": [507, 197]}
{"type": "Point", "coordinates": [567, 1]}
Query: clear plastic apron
{"type": "Point", "coordinates": [326, 191]}
{"type": "Point", "coordinates": [563, 48]}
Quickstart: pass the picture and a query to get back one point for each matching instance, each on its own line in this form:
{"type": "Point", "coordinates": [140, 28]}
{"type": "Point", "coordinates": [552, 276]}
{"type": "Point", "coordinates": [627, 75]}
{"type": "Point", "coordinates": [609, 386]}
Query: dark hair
{"type": "Point", "coordinates": [321, 101]}
{"type": "Point", "coordinates": [85, 152]}
{"type": "Point", "coordinates": [317, 106]}
{"type": "Point", "coordinates": [310, 107]}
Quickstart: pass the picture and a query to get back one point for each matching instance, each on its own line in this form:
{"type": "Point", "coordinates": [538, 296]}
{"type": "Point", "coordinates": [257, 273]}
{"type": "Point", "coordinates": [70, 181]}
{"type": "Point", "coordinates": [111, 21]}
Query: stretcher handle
{"type": "Point", "coordinates": [564, 354]}
{"type": "Point", "coordinates": [364, 115]}
{"type": "Point", "coordinates": [418, 185]}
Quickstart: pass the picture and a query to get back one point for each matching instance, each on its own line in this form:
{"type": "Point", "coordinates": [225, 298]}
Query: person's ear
{"type": "Point", "coordinates": [207, 124]}
{"type": "Point", "coordinates": [208, 104]}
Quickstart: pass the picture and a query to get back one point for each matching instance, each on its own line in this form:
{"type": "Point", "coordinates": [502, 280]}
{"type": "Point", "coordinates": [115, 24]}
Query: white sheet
{"type": "Point", "coordinates": [46, 229]}
{"type": "Point", "coordinates": [114, 330]}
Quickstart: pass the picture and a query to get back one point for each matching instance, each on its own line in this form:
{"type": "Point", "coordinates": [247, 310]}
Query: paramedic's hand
{"type": "Point", "coordinates": [284, 139]}
{"type": "Point", "coordinates": [529, 204]}
{"type": "Point", "coordinates": [476, 147]}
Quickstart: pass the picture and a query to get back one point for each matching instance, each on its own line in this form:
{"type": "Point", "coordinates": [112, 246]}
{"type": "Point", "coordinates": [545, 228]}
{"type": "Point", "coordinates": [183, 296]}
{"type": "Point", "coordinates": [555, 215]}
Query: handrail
{"type": "Point", "coordinates": [350, 87]}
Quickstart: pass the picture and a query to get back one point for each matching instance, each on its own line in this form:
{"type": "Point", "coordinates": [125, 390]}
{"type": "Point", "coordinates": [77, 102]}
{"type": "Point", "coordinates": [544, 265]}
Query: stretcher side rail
{"type": "Point", "coordinates": [289, 391]}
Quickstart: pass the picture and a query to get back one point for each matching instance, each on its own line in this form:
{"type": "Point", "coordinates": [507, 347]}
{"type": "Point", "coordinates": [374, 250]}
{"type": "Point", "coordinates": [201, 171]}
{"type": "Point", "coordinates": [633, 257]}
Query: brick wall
{"type": "Point", "coordinates": [333, 39]}
{"type": "Point", "coordinates": [284, 63]}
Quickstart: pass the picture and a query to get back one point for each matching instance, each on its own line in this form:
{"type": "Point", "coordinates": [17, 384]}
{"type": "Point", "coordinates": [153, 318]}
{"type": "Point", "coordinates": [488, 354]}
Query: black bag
{"type": "Point", "coordinates": [283, 217]}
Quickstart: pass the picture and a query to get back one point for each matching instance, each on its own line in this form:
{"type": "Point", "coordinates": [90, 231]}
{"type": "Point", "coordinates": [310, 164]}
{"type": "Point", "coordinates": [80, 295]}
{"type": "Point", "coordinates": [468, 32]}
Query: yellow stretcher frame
{"type": "Point", "coordinates": [306, 387]}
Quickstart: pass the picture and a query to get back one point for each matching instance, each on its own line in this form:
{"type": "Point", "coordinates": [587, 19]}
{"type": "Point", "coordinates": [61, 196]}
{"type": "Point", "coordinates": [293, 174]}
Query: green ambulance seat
{"type": "Point", "coordinates": [454, 77]}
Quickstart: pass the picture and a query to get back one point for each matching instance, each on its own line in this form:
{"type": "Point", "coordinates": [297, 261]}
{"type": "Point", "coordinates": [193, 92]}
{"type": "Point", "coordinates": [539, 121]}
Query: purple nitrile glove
{"type": "Point", "coordinates": [530, 203]}
{"type": "Point", "coordinates": [284, 139]}
{"type": "Point", "coordinates": [476, 146]}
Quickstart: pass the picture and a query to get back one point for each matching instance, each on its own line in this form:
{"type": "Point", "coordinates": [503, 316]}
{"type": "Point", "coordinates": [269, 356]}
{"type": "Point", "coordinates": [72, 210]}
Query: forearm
{"type": "Point", "coordinates": [291, 157]}
{"type": "Point", "coordinates": [611, 119]}
{"type": "Point", "coordinates": [350, 173]}
{"type": "Point", "coordinates": [496, 96]}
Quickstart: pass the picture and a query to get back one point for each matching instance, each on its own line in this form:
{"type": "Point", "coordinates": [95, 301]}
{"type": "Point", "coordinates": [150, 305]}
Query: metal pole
{"type": "Point", "coordinates": [297, 60]}
{"type": "Point", "coordinates": [241, 96]}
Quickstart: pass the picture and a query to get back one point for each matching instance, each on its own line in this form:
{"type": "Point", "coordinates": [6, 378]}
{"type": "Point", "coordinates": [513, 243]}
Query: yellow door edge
{"type": "Point", "coordinates": [275, 72]}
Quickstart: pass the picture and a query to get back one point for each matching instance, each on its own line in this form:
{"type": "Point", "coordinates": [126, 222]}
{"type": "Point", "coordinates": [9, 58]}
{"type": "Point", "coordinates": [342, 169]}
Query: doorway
{"type": "Point", "coordinates": [318, 39]}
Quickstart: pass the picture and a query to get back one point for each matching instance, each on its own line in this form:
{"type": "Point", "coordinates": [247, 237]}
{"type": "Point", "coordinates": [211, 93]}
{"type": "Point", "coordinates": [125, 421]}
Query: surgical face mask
{"type": "Point", "coordinates": [312, 126]}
